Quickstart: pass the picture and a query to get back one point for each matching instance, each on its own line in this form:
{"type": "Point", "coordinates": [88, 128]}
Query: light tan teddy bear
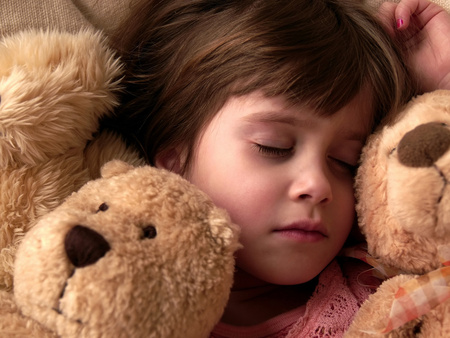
{"type": "Point", "coordinates": [54, 89]}
{"type": "Point", "coordinates": [138, 253]}
{"type": "Point", "coordinates": [404, 211]}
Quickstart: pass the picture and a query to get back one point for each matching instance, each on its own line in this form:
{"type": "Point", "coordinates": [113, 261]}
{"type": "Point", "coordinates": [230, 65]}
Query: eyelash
{"type": "Point", "coordinates": [273, 151]}
{"type": "Point", "coordinates": [351, 168]}
{"type": "Point", "coordinates": [284, 152]}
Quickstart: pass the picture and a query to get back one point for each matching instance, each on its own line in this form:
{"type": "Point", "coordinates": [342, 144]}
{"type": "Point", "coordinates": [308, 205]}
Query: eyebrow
{"type": "Point", "coordinates": [274, 117]}
{"type": "Point", "coordinates": [290, 119]}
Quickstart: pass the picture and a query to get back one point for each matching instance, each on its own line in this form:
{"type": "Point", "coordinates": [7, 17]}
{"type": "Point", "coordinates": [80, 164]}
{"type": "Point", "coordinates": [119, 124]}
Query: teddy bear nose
{"type": "Point", "coordinates": [85, 246]}
{"type": "Point", "coordinates": [424, 145]}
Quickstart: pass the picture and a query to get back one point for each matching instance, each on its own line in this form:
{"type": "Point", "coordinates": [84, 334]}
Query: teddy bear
{"type": "Point", "coordinates": [403, 194]}
{"type": "Point", "coordinates": [139, 252]}
{"type": "Point", "coordinates": [55, 87]}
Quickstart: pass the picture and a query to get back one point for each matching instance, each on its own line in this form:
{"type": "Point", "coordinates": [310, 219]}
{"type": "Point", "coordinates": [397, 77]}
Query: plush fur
{"type": "Point", "coordinates": [54, 89]}
{"type": "Point", "coordinates": [138, 253]}
{"type": "Point", "coordinates": [403, 206]}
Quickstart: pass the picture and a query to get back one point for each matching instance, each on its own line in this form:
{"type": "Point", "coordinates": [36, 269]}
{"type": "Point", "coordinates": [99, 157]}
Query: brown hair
{"type": "Point", "coordinates": [185, 58]}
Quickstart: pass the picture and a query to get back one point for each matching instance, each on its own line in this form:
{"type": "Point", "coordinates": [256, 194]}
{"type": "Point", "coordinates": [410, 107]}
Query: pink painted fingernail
{"type": "Point", "coordinates": [399, 23]}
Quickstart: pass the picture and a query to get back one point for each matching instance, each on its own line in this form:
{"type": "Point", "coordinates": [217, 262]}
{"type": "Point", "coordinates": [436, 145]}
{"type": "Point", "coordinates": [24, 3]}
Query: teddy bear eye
{"type": "Point", "coordinates": [103, 207]}
{"type": "Point", "coordinates": [149, 232]}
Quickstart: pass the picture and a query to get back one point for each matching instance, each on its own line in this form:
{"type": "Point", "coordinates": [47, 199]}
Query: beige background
{"type": "Point", "coordinates": [68, 15]}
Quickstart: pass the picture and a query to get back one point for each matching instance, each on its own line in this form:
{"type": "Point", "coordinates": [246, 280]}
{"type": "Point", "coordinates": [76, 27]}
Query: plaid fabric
{"type": "Point", "coordinates": [419, 296]}
{"type": "Point", "coordinates": [415, 297]}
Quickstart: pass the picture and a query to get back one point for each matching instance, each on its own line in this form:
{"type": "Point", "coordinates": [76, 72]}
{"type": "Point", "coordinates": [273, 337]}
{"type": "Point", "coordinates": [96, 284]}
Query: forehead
{"type": "Point", "coordinates": [358, 114]}
{"type": "Point", "coordinates": [355, 117]}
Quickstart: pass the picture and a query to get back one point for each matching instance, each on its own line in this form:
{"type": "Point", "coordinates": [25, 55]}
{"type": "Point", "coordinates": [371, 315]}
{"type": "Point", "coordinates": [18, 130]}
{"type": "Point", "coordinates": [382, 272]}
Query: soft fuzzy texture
{"type": "Point", "coordinates": [54, 88]}
{"type": "Point", "coordinates": [403, 208]}
{"type": "Point", "coordinates": [155, 259]}
{"type": "Point", "coordinates": [14, 325]}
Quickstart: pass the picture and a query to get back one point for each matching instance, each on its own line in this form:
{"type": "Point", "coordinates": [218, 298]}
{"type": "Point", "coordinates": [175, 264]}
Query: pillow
{"type": "Point", "coordinates": [66, 15]}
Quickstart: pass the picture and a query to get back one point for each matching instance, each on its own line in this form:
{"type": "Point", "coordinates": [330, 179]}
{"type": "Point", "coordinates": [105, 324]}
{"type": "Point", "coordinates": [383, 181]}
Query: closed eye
{"type": "Point", "coordinates": [273, 151]}
{"type": "Point", "coordinates": [351, 168]}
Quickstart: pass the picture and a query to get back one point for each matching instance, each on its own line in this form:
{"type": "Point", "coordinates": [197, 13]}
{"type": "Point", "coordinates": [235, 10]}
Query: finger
{"type": "Point", "coordinates": [422, 10]}
{"type": "Point", "coordinates": [403, 13]}
{"type": "Point", "coordinates": [386, 14]}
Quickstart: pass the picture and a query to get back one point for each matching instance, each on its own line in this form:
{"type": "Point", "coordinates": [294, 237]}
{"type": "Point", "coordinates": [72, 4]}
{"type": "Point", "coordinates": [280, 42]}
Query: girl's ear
{"type": "Point", "coordinates": [171, 159]}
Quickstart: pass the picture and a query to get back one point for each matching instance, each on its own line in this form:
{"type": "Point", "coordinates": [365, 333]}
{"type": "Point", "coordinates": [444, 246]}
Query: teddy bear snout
{"type": "Point", "coordinates": [424, 145]}
{"type": "Point", "coordinates": [85, 246]}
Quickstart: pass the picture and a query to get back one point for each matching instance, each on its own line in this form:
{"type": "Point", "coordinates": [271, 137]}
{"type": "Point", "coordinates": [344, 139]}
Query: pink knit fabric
{"type": "Point", "coordinates": [328, 313]}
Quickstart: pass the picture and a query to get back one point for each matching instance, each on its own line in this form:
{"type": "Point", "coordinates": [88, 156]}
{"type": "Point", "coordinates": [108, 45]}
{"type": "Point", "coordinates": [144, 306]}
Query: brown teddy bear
{"type": "Point", "coordinates": [139, 252]}
{"type": "Point", "coordinates": [54, 89]}
{"type": "Point", "coordinates": [403, 206]}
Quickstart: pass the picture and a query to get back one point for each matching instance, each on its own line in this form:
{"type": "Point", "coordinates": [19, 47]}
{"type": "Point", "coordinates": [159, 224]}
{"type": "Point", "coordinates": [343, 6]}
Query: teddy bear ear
{"type": "Point", "coordinates": [114, 168]}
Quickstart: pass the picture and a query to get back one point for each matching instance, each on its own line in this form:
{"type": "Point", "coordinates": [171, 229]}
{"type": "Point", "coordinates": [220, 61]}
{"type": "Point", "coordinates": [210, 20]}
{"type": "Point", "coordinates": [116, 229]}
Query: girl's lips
{"type": "Point", "coordinates": [305, 231]}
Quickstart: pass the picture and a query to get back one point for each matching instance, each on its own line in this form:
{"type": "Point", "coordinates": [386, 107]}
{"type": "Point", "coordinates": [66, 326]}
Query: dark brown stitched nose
{"type": "Point", "coordinates": [85, 246]}
{"type": "Point", "coordinates": [424, 145]}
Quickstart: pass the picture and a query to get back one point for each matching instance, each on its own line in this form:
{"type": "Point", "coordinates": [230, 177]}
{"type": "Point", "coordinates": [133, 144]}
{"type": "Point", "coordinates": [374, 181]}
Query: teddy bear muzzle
{"type": "Point", "coordinates": [424, 145]}
{"type": "Point", "coordinates": [85, 246]}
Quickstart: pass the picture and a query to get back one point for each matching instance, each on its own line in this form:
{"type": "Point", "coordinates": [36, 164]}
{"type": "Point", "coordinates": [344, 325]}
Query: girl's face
{"type": "Point", "coordinates": [285, 176]}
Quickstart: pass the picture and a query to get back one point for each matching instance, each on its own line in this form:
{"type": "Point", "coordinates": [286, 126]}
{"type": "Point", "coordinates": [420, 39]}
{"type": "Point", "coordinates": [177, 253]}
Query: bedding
{"type": "Point", "coordinates": [67, 15]}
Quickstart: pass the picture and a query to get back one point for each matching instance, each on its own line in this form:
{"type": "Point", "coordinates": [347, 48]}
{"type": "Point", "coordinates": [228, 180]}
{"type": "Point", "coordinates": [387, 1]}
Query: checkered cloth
{"type": "Point", "coordinates": [417, 296]}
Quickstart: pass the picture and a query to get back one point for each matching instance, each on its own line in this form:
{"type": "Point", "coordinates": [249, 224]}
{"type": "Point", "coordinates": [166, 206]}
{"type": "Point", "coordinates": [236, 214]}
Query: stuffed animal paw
{"type": "Point", "coordinates": [54, 89]}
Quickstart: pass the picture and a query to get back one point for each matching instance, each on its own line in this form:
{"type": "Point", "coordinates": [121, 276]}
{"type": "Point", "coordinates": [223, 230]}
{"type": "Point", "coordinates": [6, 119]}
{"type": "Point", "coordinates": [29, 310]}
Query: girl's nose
{"type": "Point", "coordinates": [311, 185]}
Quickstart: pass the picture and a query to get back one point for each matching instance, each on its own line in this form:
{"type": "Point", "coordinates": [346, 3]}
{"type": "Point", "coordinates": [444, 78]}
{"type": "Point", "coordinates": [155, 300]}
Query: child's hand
{"type": "Point", "coordinates": [423, 28]}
